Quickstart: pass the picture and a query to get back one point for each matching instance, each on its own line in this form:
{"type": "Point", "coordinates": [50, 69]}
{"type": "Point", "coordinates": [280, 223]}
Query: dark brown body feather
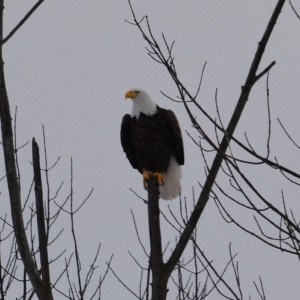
{"type": "Point", "coordinates": [151, 140]}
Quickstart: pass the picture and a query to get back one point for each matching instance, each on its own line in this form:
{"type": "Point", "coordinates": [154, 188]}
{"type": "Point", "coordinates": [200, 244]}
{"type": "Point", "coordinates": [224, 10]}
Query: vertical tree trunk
{"type": "Point", "coordinates": [159, 275]}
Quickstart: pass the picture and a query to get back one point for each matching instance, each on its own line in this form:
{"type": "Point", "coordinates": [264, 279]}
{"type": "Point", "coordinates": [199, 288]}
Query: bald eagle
{"type": "Point", "coordinates": [152, 140]}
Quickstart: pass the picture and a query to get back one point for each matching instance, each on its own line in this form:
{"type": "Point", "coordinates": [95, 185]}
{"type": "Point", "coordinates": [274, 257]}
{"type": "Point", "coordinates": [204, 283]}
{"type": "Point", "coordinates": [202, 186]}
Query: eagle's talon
{"type": "Point", "coordinates": [145, 184]}
{"type": "Point", "coordinates": [146, 176]}
{"type": "Point", "coordinates": [160, 177]}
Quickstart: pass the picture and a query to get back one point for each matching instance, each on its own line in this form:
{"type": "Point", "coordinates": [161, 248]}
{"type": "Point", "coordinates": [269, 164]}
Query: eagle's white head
{"type": "Point", "coordinates": [142, 103]}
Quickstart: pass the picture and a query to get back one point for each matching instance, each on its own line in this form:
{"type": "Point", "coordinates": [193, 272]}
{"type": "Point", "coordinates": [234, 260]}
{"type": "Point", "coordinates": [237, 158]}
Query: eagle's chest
{"type": "Point", "coordinates": [151, 141]}
{"type": "Point", "coordinates": [150, 126]}
{"type": "Point", "coordinates": [150, 131]}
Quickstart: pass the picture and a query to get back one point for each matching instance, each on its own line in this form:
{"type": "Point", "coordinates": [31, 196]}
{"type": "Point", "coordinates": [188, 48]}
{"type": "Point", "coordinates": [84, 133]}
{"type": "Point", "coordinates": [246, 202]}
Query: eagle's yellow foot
{"type": "Point", "coordinates": [146, 176]}
{"type": "Point", "coordinates": [160, 177]}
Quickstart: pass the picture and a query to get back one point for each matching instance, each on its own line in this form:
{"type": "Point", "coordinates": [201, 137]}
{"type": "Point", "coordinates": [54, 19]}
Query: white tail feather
{"type": "Point", "coordinates": [171, 188]}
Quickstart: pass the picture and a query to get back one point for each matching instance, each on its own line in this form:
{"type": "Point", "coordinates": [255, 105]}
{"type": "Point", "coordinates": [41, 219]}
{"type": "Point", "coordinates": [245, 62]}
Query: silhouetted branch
{"type": "Point", "coordinates": [12, 178]}
{"type": "Point", "coordinates": [123, 283]}
{"type": "Point", "coordinates": [29, 244]}
{"type": "Point", "coordinates": [43, 240]}
{"type": "Point", "coordinates": [294, 10]}
{"type": "Point", "coordinates": [287, 134]}
{"type": "Point", "coordinates": [246, 89]}
{"type": "Point", "coordinates": [138, 235]}
{"type": "Point", "coordinates": [19, 25]}
{"type": "Point", "coordinates": [260, 289]}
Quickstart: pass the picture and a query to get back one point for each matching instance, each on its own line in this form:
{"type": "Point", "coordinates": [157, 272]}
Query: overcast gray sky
{"type": "Point", "coordinates": [69, 67]}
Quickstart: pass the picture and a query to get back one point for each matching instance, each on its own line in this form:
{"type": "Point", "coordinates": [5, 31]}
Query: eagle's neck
{"type": "Point", "coordinates": [145, 106]}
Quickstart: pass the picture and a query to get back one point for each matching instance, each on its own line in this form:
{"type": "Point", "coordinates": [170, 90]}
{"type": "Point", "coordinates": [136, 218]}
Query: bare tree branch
{"type": "Point", "coordinates": [294, 10]}
{"type": "Point", "coordinates": [12, 178]}
{"type": "Point", "coordinates": [43, 239]}
{"type": "Point", "coordinates": [246, 89]}
{"type": "Point", "coordinates": [19, 25]}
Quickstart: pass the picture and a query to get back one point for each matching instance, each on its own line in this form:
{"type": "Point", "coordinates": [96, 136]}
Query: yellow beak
{"type": "Point", "coordinates": [131, 95]}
